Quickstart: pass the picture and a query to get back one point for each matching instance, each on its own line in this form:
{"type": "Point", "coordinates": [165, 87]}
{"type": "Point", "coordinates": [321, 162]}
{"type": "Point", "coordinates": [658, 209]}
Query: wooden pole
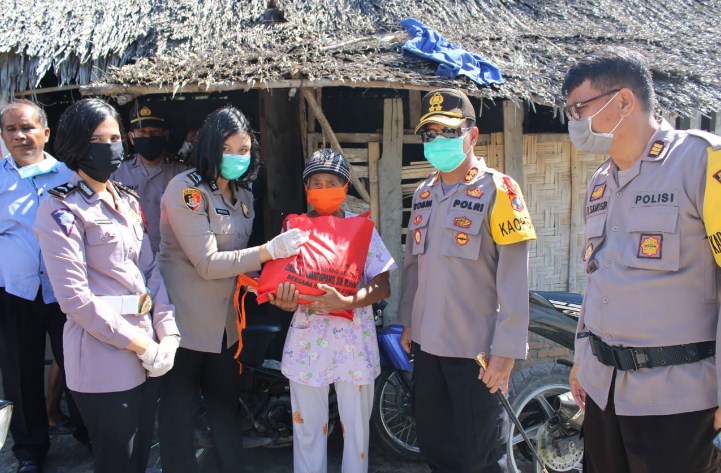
{"type": "Point", "coordinates": [391, 194]}
{"type": "Point", "coordinates": [716, 123]}
{"type": "Point", "coordinates": [325, 125]}
{"type": "Point", "coordinates": [513, 140]}
{"type": "Point", "coordinates": [374, 154]}
{"type": "Point", "coordinates": [576, 229]}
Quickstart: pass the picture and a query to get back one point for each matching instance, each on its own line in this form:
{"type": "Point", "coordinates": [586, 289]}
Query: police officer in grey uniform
{"type": "Point", "coordinates": [206, 221]}
{"type": "Point", "coordinates": [120, 332]}
{"type": "Point", "coordinates": [151, 168]}
{"type": "Point", "coordinates": [645, 369]}
{"type": "Point", "coordinates": [464, 291]}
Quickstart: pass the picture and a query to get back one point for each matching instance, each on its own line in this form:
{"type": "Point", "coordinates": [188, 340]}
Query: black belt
{"type": "Point", "coordinates": [634, 358]}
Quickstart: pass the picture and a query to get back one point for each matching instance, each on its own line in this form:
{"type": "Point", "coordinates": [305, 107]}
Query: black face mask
{"type": "Point", "coordinates": [151, 147]}
{"type": "Point", "coordinates": [104, 160]}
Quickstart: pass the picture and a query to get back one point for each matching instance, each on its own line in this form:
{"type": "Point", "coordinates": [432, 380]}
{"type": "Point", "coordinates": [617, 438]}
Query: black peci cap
{"type": "Point", "coordinates": [448, 107]}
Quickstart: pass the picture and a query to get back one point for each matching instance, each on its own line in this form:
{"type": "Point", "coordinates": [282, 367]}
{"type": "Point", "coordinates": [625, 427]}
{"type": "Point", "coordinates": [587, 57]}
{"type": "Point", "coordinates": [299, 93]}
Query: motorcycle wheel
{"type": "Point", "coordinates": [531, 392]}
{"type": "Point", "coordinates": [392, 424]}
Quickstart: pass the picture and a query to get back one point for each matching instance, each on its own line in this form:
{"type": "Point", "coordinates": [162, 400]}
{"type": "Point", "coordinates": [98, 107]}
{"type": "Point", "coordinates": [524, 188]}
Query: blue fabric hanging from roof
{"type": "Point", "coordinates": [452, 58]}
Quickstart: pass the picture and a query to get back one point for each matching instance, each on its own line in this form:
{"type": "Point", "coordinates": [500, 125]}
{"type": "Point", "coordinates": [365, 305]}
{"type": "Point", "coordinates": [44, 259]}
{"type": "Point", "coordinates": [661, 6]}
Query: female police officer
{"type": "Point", "coordinates": [206, 219]}
{"type": "Point", "coordinates": [103, 273]}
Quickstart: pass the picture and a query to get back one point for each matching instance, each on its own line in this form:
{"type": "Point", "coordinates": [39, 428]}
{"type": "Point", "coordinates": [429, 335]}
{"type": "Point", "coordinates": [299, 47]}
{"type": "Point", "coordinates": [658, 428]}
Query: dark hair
{"type": "Point", "coordinates": [610, 68]}
{"type": "Point", "coordinates": [208, 151]}
{"type": "Point", "coordinates": [76, 127]}
{"type": "Point", "coordinates": [39, 113]}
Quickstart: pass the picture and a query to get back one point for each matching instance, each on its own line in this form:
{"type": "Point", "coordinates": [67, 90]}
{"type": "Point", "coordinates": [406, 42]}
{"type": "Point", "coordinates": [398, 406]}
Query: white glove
{"type": "Point", "coordinates": [287, 243]}
{"type": "Point", "coordinates": [150, 353]}
{"type": "Point", "coordinates": [165, 357]}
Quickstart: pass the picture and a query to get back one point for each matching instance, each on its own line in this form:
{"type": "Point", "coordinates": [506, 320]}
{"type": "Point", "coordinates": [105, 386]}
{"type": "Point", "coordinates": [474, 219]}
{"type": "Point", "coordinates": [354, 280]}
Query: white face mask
{"type": "Point", "coordinates": [588, 141]}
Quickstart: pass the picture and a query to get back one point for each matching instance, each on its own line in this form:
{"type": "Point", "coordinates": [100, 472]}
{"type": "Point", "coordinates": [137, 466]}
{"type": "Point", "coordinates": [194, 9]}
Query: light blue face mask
{"type": "Point", "coordinates": [445, 154]}
{"type": "Point", "coordinates": [232, 166]}
{"type": "Point", "coordinates": [43, 167]}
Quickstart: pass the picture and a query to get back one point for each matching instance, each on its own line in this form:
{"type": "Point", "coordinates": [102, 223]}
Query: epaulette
{"type": "Point", "coordinates": [63, 190]}
{"type": "Point", "coordinates": [713, 140]}
{"type": "Point", "coordinates": [195, 178]}
{"type": "Point", "coordinates": [126, 189]}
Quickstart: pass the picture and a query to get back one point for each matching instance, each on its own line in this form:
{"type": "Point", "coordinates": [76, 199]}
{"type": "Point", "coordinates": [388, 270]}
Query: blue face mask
{"type": "Point", "coordinates": [445, 154]}
{"type": "Point", "coordinates": [232, 166]}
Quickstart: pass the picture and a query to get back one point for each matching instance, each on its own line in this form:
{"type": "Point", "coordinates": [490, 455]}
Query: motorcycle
{"type": "Point", "coordinates": [540, 395]}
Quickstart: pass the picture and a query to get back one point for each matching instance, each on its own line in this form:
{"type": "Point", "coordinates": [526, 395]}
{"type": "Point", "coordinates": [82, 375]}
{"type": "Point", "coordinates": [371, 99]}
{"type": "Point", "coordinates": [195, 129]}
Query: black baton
{"type": "Point", "coordinates": [481, 360]}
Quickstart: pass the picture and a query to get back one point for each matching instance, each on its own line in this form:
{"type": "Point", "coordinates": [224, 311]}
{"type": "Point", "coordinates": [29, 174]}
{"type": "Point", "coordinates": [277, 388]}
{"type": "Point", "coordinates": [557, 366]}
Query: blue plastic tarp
{"type": "Point", "coordinates": [453, 59]}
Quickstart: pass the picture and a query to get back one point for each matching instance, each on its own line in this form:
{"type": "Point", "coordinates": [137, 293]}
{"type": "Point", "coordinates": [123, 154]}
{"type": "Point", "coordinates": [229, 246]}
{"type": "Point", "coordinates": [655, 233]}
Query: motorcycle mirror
{"type": "Point", "coordinates": [6, 410]}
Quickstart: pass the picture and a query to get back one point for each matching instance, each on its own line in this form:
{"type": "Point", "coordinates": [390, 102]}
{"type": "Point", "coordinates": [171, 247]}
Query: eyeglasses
{"type": "Point", "coordinates": [429, 135]}
{"type": "Point", "coordinates": [573, 110]}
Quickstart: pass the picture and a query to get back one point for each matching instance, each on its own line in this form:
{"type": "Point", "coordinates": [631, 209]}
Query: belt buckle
{"type": "Point", "coordinates": [640, 359]}
{"type": "Point", "coordinates": [145, 303]}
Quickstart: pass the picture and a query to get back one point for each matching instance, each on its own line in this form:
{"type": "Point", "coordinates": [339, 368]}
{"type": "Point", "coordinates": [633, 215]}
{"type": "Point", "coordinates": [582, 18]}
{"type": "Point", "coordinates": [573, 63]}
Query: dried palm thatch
{"type": "Point", "coordinates": [214, 44]}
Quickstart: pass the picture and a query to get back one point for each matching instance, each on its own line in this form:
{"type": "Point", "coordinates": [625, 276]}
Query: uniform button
{"type": "Point", "coordinates": [608, 264]}
{"type": "Point", "coordinates": [605, 300]}
{"type": "Point", "coordinates": [615, 228]}
{"type": "Point", "coordinates": [619, 194]}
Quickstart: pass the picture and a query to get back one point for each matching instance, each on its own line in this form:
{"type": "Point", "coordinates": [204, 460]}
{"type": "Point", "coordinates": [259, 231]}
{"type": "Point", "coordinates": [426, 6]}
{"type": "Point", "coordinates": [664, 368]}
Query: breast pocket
{"type": "Point", "coordinates": [221, 224]}
{"type": "Point", "coordinates": [653, 242]}
{"type": "Point", "coordinates": [593, 234]}
{"type": "Point", "coordinates": [417, 230]}
{"type": "Point", "coordinates": [103, 246]}
{"type": "Point", "coordinates": [462, 237]}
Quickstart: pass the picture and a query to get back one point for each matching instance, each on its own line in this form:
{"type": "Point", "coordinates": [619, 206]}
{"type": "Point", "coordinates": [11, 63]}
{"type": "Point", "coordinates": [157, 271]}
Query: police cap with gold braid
{"type": "Point", "coordinates": [144, 114]}
{"type": "Point", "coordinates": [447, 107]}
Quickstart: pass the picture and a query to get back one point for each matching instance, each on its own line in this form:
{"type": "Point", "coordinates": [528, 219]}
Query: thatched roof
{"type": "Point", "coordinates": [180, 45]}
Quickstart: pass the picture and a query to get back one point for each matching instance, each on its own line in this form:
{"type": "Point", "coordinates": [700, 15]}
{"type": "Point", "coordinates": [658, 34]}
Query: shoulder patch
{"type": "Point", "coordinates": [65, 220]}
{"type": "Point", "coordinates": [62, 191]}
{"type": "Point", "coordinates": [712, 203]}
{"type": "Point", "coordinates": [510, 220]}
{"type": "Point", "coordinates": [192, 198]}
{"type": "Point", "coordinates": [126, 189]}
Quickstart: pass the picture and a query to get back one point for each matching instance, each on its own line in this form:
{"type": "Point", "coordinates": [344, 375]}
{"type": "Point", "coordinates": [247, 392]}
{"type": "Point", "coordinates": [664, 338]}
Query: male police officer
{"type": "Point", "coordinates": [464, 291]}
{"type": "Point", "coordinates": [28, 308]}
{"type": "Point", "coordinates": [644, 364]}
{"type": "Point", "coordinates": [151, 168]}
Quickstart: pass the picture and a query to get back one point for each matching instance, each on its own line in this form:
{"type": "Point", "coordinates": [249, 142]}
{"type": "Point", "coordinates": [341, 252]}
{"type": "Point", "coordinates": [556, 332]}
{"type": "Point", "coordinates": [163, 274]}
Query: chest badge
{"type": "Point", "coordinates": [192, 199]}
{"type": "Point", "coordinates": [717, 176]}
{"type": "Point", "coordinates": [417, 236]}
{"type": "Point", "coordinates": [650, 245]}
{"type": "Point", "coordinates": [598, 192]}
{"type": "Point", "coordinates": [461, 238]}
{"type": "Point", "coordinates": [246, 211]}
{"type": "Point", "coordinates": [588, 252]}
{"type": "Point", "coordinates": [418, 219]}
{"type": "Point", "coordinates": [476, 193]}
{"type": "Point", "coordinates": [424, 194]}
{"type": "Point", "coordinates": [462, 222]}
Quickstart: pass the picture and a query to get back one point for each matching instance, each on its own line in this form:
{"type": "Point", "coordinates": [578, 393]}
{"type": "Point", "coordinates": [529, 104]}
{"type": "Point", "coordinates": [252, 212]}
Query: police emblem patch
{"type": "Point", "coordinates": [424, 194]}
{"type": "Point", "coordinates": [476, 193]}
{"type": "Point", "coordinates": [145, 112]}
{"type": "Point", "coordinates": [587, 253]}
{"type": "Point", "coordinates": [246, 212]}
{"type": "Point", "coordinates": [417, 236]}
{"type": "Point", "coordinates": [473, 172]}
{"type": "Point", "coordinates": [717, 176]}
{"type": "Point", "coordinates": [461, 238]}
{"type": "Point", "coordinates": [650, 245]}
{"type": "Point", "coordinates": [598, 191]}
{"type": "Point", "coordinates": [192, 198]}
{"type": "Point", "coordinates": [65, 220]}
{"type": "Point", "coordinates": [418, 219]}
{"type": "Point", "coordinates": [436, 103]}
{"type": "Point", "coordinates": [517, 204]}
{"type": "Point", "coordinates": [462, 222]}
{"type": "Point", "coordinates": [656, 148]}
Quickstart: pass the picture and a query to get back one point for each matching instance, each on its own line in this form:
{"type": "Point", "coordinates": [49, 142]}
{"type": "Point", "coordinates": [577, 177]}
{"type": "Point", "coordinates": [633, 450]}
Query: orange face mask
{"type": "Point", "coordinates": [327, 200]}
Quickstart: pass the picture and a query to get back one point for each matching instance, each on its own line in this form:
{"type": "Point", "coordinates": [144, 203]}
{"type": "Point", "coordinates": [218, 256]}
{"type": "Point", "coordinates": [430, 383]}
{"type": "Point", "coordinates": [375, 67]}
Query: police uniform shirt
{"type": "Point", "coordinates": [202, 250]}
{"type": "Point", "coordinates": [149, 185]}
{"type": "Point", "coordinates": [92, 248]}
{"type": "Point", "coordinates": [465, 277]}
{"type": "Point", "coordinates": [652, 280]}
